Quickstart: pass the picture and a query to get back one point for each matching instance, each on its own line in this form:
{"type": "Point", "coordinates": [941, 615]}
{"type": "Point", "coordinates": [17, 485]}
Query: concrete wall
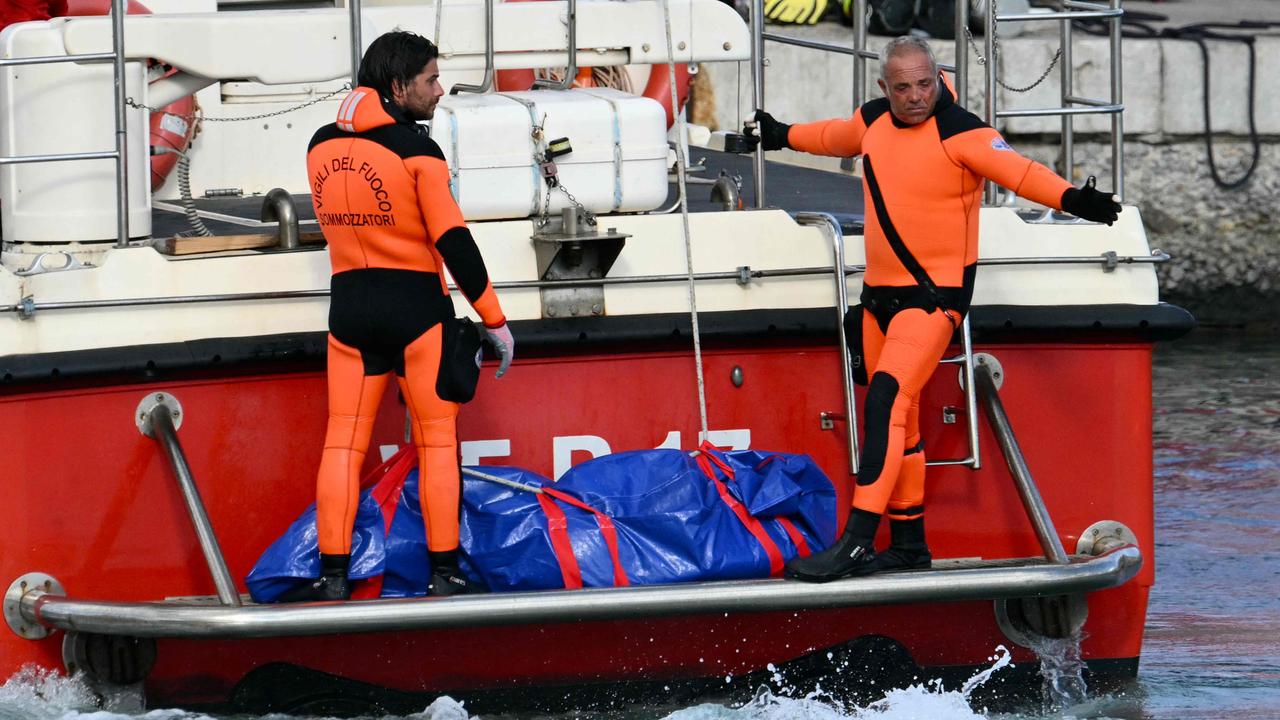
{"type": "Point", "coordinates": [1226, 243]}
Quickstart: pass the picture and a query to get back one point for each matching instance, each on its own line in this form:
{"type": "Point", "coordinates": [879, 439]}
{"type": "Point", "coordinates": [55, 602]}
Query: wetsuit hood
{"type": "Point", "coordinates": [364, 110]}
{"type": "Point", "coordinates": [945, 100]}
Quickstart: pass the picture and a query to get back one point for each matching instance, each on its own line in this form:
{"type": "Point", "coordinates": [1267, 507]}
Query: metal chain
{"type": "Point", "coordinates": [205, 118]}
{"type": "Point", "coordinates": [540, 157]}
{"type": "Point", "coordinates": [996, 44]}
{"type": "Point", "coordinates": [590, 216]}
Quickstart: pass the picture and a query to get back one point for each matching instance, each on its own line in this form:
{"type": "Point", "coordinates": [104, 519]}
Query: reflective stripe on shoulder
{"type": "Point", "coordinates": [347, 111]}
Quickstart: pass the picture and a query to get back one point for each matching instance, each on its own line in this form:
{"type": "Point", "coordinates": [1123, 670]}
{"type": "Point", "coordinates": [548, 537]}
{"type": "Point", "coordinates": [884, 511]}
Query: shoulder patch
{"type": "Point", "coordinates": [872, 110]}
{"type": "Point", "coordinates": [998, 143]}
{"type": "Point", "coordinates": [404, 141]}
{"type": "Point", "coordinates": [954, 120]}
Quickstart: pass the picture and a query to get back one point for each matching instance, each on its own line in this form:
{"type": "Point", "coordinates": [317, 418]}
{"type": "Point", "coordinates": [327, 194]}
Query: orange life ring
{"type": "Point", "coordinates": [171, 126]}
{"type": "Point", "coordinates": [657, 88]}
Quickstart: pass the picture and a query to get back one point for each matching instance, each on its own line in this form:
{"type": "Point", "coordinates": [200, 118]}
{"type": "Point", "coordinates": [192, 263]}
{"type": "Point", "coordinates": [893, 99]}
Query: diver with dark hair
{"type": "Point", "coordinates": [380, 187]}
{"type": "Point", "coordinates": [924, 161]}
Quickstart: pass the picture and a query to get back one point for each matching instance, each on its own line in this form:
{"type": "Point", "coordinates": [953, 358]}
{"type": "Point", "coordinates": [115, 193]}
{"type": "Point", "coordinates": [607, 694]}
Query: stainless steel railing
{"type": "Point", "coordinates": [29, 306]}
{"type": "Point", "coordinates": [156, 419]}
{"type": "Point", "coordinates": [116, 56]}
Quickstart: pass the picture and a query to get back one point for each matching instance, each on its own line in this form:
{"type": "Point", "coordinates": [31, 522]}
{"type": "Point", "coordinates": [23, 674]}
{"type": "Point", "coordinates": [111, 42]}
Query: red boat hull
{"type": "Point", "coordinates": [93, 503]}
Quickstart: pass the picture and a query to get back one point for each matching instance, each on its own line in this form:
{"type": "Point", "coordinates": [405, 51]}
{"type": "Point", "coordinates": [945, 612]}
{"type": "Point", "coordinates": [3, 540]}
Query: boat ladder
{"type": "Point", "coordinates": [115, 56]}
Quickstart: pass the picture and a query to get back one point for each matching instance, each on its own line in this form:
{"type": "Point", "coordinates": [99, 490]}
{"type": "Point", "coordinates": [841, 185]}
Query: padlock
{"type": "Point", "coordinates": [549, 173]}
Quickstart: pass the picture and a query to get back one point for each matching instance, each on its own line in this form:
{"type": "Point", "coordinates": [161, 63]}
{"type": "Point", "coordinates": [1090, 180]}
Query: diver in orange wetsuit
{"type": "Point", "coordinates": [380, 187]}
{"type": "Point", "coordinates": [924, 160]}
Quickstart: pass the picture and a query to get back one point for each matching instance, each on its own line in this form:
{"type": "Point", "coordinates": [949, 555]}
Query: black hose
{"type": "Point", "coordinates": [1136, 25]}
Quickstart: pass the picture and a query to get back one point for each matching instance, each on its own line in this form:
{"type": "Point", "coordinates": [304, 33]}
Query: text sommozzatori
{"type": "Point", "coordinates": [384, 216]}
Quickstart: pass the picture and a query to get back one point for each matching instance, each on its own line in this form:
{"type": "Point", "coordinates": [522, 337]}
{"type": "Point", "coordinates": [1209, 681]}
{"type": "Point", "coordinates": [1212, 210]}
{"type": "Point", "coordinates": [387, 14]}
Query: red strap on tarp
{"type": "Point", "coordinates": [706, 458]}
{"type": "Point", "coordinates": [793, 532]}
{"type": "Point", "coordinates": [390, 477]}
{"type": "Point", "coordinates": [607, 529]}
{"type": "Point", "coordinates": [558, 525]}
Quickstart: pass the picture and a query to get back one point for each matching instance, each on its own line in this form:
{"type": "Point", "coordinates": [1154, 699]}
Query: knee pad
{"type": "Point", "coordinates": [878, 409]}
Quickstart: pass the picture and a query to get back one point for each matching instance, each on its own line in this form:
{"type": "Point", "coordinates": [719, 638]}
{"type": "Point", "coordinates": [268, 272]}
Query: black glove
{"type": "Point", "coordinates": [771, 133]}
{"type": "Point", "coordinates": [1086, 202]}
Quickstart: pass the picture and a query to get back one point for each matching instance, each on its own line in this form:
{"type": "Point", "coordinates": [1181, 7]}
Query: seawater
{"type": "Point", "coordinates": [1212, 647]}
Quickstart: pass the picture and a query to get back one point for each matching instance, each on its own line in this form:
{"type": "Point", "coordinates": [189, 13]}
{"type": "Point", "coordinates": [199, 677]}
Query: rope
{"type": "Point", "coordinates": [681, 166]}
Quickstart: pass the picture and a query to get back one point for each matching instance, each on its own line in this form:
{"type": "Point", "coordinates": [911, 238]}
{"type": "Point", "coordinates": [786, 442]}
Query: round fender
{"type": "Point", "coordinates": [659, 88]}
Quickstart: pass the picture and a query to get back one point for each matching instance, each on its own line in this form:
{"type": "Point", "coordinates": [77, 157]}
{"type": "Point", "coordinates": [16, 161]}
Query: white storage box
{"type": "Point", "coordinates": [61, 108]}
{"type": "Point", "coordinates": [618, 163]}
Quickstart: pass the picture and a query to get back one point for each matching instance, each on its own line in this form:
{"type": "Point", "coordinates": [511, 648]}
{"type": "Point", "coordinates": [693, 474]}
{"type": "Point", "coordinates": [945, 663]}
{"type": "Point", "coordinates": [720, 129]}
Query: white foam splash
{"type": "Point", "coordinates": [35, 693]}
{"type": "Point", "coordinates": [918, 702]}
{"type": "Point", "coordinates": [442, 708]}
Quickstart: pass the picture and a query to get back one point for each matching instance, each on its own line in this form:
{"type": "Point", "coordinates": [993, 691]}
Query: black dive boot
{"type": "Point", "coordinates": [907, 549]}
{"type": "Point", "coordinates": [331, 585]}
{"type": "Point", "coordinates": [446, 579]}
{"type": "Point", "coordinates": [852, 554]}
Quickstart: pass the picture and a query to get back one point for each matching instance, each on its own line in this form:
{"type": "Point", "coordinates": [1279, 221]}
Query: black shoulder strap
{"type": "Point", "coordinates": [905, 257]}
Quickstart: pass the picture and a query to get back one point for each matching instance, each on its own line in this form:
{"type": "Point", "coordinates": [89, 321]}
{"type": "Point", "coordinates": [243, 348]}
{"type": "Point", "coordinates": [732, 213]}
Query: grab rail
{"type": "Point", "coordinates": [28, 306]}
{"type": "Point", "coordinates": [966, 362]}
{"type": "Point", "coordinates": [156, 420]}
{"type": "Point", "coordinates": [829, 221]}
{"type": "Point", "coordinates": [570, 70]}
{"type": "Point", "coordinates": [353, 9]}
{"type": "Point", "coordinates": [960, 581]}
{"type": "Point", "coordinates": [1054, 552]}
{"type": "Point", "coordinates": [487, 82]}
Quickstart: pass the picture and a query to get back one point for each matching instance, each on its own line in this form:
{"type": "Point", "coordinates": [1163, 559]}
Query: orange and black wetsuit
{"type": "Point", "coordinates": [380, 187]}
{"type": "Point", "coordinates": [922, 187]}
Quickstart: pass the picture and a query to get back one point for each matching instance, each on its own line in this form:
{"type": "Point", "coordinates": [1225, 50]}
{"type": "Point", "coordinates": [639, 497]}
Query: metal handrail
{"type": "Point", "coordinates": [1092, 109]}
{"type": "Point", "coordinates": [57, 157]}
{"type": "Point", "coordinates": [757, 91]}
{"type": "Point", "coordinates": [353, 11]}
{"type": "Point", "coordinates": [28, 307]}
{"type": "Point", "coordinates": [828, 221]}
{"type": "Point", "coordinates": [487, 82]}
{"type": "Point", "coordinates": [570, 70]}
{"type": "Point", "coordinates": [52, 59]}
{"type": "Point", "coordinates": [116, 56]}
{"type": "Point", "coordinates": [983, 580]}
{"type": "Point", "coordinates": [1034, 504]}
{"type": "Point", "coordinates": [836, 49]}
{"type": "Point", "coordinates": [159, 425]}
{"type": "Point", "coordinates": [966, 362]}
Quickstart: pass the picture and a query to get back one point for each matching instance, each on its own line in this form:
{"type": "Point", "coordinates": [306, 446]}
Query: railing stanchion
{"type": "Point", "coordinates": [757, 88]}
{"type": "Point", "coordinates": [828, 221]}
{"type": "Point", "coordinates": [1027, 490]}
{"type": "Point", "coordinates": [156, 420]}
{"type": "Point", "coordinates": [122, 167]}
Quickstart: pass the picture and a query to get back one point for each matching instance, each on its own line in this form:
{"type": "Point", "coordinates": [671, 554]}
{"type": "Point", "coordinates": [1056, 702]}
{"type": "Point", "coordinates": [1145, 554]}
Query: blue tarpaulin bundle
{"type": "Point", "coordinates": [633, 518]}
